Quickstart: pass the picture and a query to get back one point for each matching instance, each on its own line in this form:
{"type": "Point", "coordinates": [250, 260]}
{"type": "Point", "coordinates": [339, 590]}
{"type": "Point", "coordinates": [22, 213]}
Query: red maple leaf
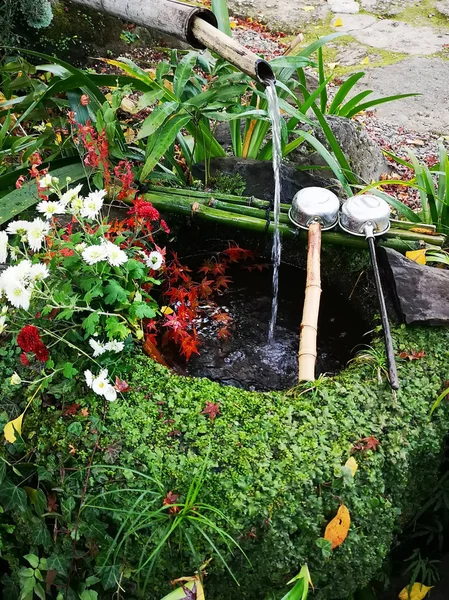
{"type": "Point", "coordinates": [222, 317]}
{"type": "Point", "coordinates": [211, 410]}
{"type": "Point", "coordinates": [365, 444]}
{"type": "Point", "coordinates": [413, 355]}
{"type": "Point", "coordinates": [204, 288]}
{"type": "Point", "coordinates": [223, 333]}
{"type": "Point", "coordinates": [236, 254]}
{"type": "Point", "coordinates": [72, 409]}
{"type": "Point", "coordinates": [170, 499]}
{"type": "Point", "coordinates": [121, 385]}
{"type": "Point", "coordinates": [222, 281]}
{"type": "Point", "coordinates": [189, 346]}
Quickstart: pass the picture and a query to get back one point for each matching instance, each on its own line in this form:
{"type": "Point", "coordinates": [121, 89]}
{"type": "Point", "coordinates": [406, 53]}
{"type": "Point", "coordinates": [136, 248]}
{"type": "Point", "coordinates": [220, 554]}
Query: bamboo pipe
{"type": "Point", "coordinates": [194, 25]}
{"type": "Point", "coordinates": [309, 325]}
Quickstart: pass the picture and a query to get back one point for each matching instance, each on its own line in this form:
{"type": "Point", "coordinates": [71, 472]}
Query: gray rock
{"type": "Point", "coordinates": [443, 7]}
{"type": "Point", "coordinates": [387, 7]}
{"type": "Point", "coordinates": [422, 292]}
{"type": "Point", "coordinates": [426, 76]}
{"type": "Point", "coordinates": [398, 36]}
{"type": "Point", "coordinates": [364, 155]}
{"type": "Point", "coordinates": [258, 175]}
{"type": "Point", "coordinates": [353, 22]}
{"type": "Point", "coordinates": [344, 6]}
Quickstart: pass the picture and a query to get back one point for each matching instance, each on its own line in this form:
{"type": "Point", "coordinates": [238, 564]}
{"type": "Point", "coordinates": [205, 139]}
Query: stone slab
{"type": "Point", "coordinates": [443, 7]}
{"type": "Point", "coordinates": [397, 36]}
{"type": "Point", "coordinates": [388, 7]}
{"type": "Point", "coordinates": [353, 22]}
{"type": "Point", "coordinates": [427, 76]}
{"type": "Point", "coordinates": [344, 6]}
{"type": "Point", "coordinates": [422, 291]}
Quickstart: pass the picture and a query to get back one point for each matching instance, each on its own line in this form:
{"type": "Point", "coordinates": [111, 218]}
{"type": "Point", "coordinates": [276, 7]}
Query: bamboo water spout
{"type": "Point", "coordinates": [194, 25]}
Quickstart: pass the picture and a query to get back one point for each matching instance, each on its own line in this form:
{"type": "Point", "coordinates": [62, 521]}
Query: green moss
{"type": "Point", "coordinates": [418, 15]}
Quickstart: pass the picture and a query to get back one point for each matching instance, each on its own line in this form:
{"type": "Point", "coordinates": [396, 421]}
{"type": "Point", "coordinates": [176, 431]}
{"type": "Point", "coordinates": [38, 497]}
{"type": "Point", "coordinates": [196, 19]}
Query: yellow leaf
{"type": "Point", "coordinates": [365, 61]}
{"type": "Point", "coordinates": [166, 310]}
{"type": "Point", "coordinates": [12, 427]}
{"type": "Point", "coordinates": [351, 463]}
{"type": "Point", "coordinates": [308, 8]}
{"type": "Point", "coordinates": [332, 66]}
{"type": "Point", "coordinates": [337, 529]}
{"type": "Point", "coordinates": [418, 591]}
{"type": "Point", "coordinates": [232, 24]}
{"type": "Point", "coordinates": [417, 256]}
{"type": "Point", "coordinates": [338, 23]}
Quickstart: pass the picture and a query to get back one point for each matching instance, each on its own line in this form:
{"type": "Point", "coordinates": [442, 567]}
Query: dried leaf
{"type": "Point", "coordinates": [12, 427]}
{"type": "Point", "coordinates": [417, 256]}
{"type": "Point", "coordinates": [337, 530]}
{"type": "Point", "coordinates": [166, 310]}
{"type": "Point", "coordinates": [212, 410]}
{"type": "Point", "coordinates": [127, 105]}
{"type": "Point", "coordinates": [351, 463]}
{"type": "Point", "coordinates": [418, 591]}
{"type": "Point", "coordinates": [338, 22]}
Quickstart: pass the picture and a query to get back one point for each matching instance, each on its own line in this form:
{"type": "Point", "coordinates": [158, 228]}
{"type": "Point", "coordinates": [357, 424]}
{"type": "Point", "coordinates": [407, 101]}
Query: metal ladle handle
{"type": "Point", "coordinates": [392, 370]}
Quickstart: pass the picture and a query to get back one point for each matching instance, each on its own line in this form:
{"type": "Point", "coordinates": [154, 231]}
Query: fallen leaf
{"type": "Point", "coordinates": [166, 310]}
{"type": "Point", "coordinates": [417, 256]}
{"type": "Point", "coordinates": [413, 355]}
{"type": "Point", "coordinates": [212, 410]}
{"type": "Point", "coordinates": [418, 591]}
{"type": "Point", "coordinates": [337, 529]}
{"type": "Point", "coordinates": [72, 409]}
{"type": "Point", "coordinates": [84, 412]}
{"type": "Point", "coordinates": [72, 449]}
{"type": "Point", "coordinates": [172, 499]}
{"type": "Point", "coordinates": [127, 105]}
{"type": "Point", "coordinates": [332, 66]}
{"type": "Point", "coordinates": [308, 8]}
{"type": "Point", "coordinates": [121, 385]}
{"type": "Point", "coordinates": [12, 427]}
{"type": "Point", "coordinates": [338, 22]}
{"type": "Point", "coordinates": [351, 463]}
{"type": "Point", "coordinates": [365, 61]}
{"type": "Point", "coordinates": [367, 443]}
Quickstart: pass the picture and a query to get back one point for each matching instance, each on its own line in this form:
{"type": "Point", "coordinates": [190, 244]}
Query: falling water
{"type": "Point", "coordinates": [274, 114]}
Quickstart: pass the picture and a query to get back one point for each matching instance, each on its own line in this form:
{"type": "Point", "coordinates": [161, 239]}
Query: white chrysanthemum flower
{"type": "Point", "coordinates": [4, 310]}
{"type": "Point", "coordinates": [3, 247]}
{"type": "Point", "coordinates": [18, 295]}
{"type": "Point", "coordinates": [115, 255]}
{"type": "Point", "coordinates": [49, 208]}
{"type": "Point", "coordinates": [36, 233]}
{"type": "Point", "coordinates": [39, 271]}
{"type": "Point", "coordinates": [97, 347]}
{"type": "Point", "coordinates": [47, 181]}
{"type": "Point", "coordinates": [155, 260]}
{"type": "Point", "coordinates": [17, 274]}
{"type": "Point", "coordinates": [89, 378]}
{"type": "Point", "coordinates": [93, 204]}
{"type": "Point", "coordinates": [70, 195]}
{"type": "Point", "coordinates": [2, 324]}
{"type": "Point", "coordinates": [80, 247]}
{"type": "Point", "coordinates": [76, 205]}
{"type": "Point", "coordinates": [15, 379]}
{"type": "Point", "coordinates": [102, 387]}
{"type": "Point", "coordinates": [114, 346]}
{"type": "Point", "coordinates": [20, 227]}
{"type": "Point", "coordinates": [94, 254]}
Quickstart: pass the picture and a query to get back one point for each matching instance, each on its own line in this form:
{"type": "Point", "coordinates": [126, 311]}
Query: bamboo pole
{"type": "Point", "coordinates": [309, 324]}
{"type": "Point", "coordinates": [256, 221]}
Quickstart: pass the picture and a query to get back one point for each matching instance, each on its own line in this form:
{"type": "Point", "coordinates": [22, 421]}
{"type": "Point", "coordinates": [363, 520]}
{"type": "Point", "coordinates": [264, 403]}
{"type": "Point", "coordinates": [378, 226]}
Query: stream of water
{"type": "Point", "coordinates": [274, 114]}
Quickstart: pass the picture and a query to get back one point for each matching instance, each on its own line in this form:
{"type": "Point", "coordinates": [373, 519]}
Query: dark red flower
{"type": "Point", "coordinates": [20, 182]}
{"type": "Point", "coordinates": [41, 352]}
{"type": "Point", "coordinates": [28, 338]}
{"type": "Point", "coordinates": [24, 359]}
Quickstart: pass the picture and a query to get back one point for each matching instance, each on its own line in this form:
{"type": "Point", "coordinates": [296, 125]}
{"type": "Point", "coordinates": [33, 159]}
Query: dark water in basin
{"type": "Point", "coordinates": [247, 360]}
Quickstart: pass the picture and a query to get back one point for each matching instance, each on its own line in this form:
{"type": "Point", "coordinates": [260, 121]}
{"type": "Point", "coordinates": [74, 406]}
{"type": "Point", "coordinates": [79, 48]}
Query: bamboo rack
{"type": "Point", "coordinates": [226, 210]}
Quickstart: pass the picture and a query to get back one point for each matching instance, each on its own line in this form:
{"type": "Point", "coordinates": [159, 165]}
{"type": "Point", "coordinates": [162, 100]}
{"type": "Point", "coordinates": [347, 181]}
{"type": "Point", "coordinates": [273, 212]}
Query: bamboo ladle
{"type": "Point", "coordinates": [315, 209]}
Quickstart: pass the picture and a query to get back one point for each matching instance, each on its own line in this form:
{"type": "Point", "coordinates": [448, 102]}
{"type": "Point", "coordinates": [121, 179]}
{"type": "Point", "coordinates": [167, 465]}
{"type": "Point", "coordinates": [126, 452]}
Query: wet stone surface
{"type": "Point", "coordinates": [247, 360]}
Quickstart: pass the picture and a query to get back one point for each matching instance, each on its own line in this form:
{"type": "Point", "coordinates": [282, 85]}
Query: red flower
{"type": "Point", "coordinates": [41, 352]}
{"type": "Point", "coordinates": [145, 210]}
{"type": "Point", "coordinates": [24, 359]}
{"type": "Point", "coordinates": [20, 182]}
{"type": "Point", "coordinates": [67, 252]}
{"type": "Point", "coordinates": [165, 226]}
{"type": "Point", "coordinates": [28, 338]}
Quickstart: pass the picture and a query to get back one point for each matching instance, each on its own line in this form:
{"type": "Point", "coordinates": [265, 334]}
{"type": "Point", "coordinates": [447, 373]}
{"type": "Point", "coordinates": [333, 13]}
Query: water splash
{"type": "Point", "coordinates": [274, 114]}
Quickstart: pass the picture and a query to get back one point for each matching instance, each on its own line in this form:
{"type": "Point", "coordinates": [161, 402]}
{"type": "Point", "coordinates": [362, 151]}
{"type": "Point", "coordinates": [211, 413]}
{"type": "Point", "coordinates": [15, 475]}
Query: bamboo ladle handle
{"type": "Point", "coordinates": [309, 324]}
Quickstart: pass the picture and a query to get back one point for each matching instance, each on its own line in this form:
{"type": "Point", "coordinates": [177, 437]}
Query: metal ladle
{"type": "Point", "coordinates": [315, 209]}
{"type": "Point", "coordinates": [369, 216]}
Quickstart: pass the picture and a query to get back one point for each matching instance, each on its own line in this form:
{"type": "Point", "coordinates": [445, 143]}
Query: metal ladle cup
{"type": "Point", "coordinates": [369, 216]}
{"type": "Point", "coordinates": [315, 209]}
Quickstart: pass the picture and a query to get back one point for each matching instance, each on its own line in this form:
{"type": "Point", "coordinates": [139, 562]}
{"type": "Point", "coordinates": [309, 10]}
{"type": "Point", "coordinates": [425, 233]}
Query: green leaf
{"type": "Point", "coordinates": [59, 562]}
{"type": "Point", "coordinates": [39, 591]}
{"type": "Point", "coordinates": [157, 117]}
{"type": "Point", "coordinates": [142, 310]}
{"type": "Point", "coordinates": [116, 328]}
{"type": "Point", "coordinates": [162, 141]}
{"type": "Point", "coordinates": [343, 91]}
{"type": "Point", "coordinates": [2, 471]}
{"type": "Point", "coordinates": [18, 200]}
{"type": "Point", "coordinates": [13, 497]}
{"type": "Point", "coordinates": [32, 559]}
{"type": "Point", "coordinates": [109, 576]}
{"type": "Point", "coordinates": [92, 580]}
{"type": "Point", "coordinates": [90, 323]}
{"type": "Point", "coordinates": [69, 370]}
{"type": "Point", "coordinates": [149, 98]}
{"type": "Point", "coordinates": [183, 72]}
{"type": "Point", "coordinates": [75, 428]}
{"type": "Point", "coordinates": [371, 103]}
{"type": "Point", "coordinates": [89, 595]}
{"type": "Point", "coordinates": [37, 499]}
{"type": "Point", "coordinates": [115, 293]}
